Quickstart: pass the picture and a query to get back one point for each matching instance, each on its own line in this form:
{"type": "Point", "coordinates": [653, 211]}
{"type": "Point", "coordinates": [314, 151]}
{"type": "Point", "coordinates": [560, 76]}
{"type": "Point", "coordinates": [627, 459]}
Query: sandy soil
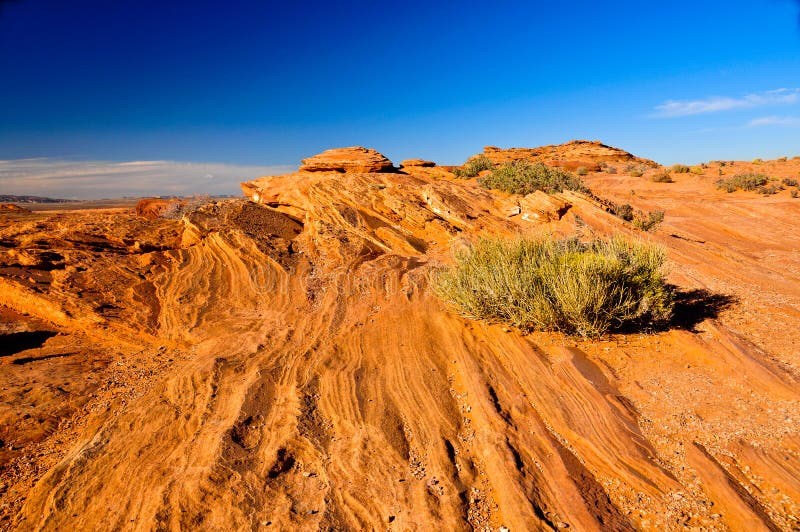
{"type": "Point", "coordinates": [285, 366]}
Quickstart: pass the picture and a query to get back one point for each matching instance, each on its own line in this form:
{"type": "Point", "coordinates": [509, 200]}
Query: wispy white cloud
{"type": "Point", "coordinates": [715, 104]}
{"type": "Point", "coordinates": [102, 179]}
{"type": "Point", "coordinates": [774, 121]}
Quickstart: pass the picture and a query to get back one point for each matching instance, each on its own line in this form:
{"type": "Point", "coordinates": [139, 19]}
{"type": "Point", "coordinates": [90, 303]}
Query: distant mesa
{"type": "Point", "coordinates": [417, 162]}
{"type": "Point", "coordinates": [355, 159]}
{"type": "Point", "coordinates": [10, 198]}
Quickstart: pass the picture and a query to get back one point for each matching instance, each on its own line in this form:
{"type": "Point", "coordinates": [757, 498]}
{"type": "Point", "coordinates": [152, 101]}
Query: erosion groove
{"type": "Point", "coordinates": [280, 362]}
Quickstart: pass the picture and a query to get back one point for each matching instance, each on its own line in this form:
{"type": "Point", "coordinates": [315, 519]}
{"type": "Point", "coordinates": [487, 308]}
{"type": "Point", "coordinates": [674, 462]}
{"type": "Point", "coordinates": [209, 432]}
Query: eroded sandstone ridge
{"type": "Point", "coordinates": [572, 155]}
{"type": "Point", "coordinates": [279, 362]}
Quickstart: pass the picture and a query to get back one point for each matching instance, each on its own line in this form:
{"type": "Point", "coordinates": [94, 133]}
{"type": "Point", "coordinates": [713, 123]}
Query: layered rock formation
{"type": "Point", "coordinates": [354, 159]}
{"type": "Point", "coordinates": [285, 365]}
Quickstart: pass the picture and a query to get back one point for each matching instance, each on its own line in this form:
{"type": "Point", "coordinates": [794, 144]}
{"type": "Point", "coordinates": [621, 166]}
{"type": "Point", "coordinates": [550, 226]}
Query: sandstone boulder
{"type": "Point", "coordinates": [355, 159]}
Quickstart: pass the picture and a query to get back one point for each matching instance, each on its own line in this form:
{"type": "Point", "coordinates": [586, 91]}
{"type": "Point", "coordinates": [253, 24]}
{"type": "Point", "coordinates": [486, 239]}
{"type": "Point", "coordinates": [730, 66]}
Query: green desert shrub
{"type": "Point", "coordinates": [520, 177]}
{"type": "Point", "coordinates": [581, 171]}
{"type": "Point", "coordinates": [680, 169]}
{"type": "Point", "coordinates": [584, 288]}
{"type": "Point", "coordinates": [758, 161]}
{"type": "Point", "coordinates": [474, 166]}
{"type": "Point", "coordinates": [746, 181]}
{"type": "Point", "coordinates": [662, 177]}
{"type": "Point", "coordinates": [698, 170]}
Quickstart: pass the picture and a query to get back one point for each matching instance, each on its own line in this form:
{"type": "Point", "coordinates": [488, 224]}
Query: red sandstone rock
{"type": "Point", "coordinates": [417, 162]}
{"type": "Point", "coordinates": [355, 159]}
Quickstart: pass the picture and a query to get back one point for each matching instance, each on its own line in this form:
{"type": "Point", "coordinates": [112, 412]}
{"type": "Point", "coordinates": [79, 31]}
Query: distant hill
{"type": "Point", "coordinates": [10, 198]}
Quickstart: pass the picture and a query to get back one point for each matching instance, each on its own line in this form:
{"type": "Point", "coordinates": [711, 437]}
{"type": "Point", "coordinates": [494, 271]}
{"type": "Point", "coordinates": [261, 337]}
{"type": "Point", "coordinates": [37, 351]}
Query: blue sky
{"type": "Point", "coordinates": [263, 84]}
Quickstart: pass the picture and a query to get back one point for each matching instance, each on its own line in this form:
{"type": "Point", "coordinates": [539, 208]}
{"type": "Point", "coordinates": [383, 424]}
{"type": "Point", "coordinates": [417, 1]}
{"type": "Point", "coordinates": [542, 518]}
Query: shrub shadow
{"type": "Point", "coordinates": [692, 307]}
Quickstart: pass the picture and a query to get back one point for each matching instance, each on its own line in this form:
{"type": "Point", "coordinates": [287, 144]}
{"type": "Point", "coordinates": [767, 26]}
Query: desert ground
{"type": "Point", "coordinates": [279, 361]}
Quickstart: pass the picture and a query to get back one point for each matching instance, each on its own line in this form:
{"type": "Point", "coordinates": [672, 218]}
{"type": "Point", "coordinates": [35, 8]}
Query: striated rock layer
{"type": "Point", "coordinates": [282, 363]}
{"type": "Point", "coordinates": [355, 159]}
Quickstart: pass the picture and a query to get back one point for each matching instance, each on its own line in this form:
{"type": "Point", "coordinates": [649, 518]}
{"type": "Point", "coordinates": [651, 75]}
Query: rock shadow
{"type": "Point", "coordinates": [13, 343]}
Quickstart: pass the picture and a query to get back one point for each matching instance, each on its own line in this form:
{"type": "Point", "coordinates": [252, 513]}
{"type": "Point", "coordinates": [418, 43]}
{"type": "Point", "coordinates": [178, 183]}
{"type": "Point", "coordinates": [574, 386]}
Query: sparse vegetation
{"type": "Point", "coordinates": [611, 170]}
{"type": "Point", "coordinates": [662, 177]}
{"type": "Point", "coordinates": [782, 159]}
{"type": "Point", "coordinates": [698, 170]}
{"type": "Point", "coordinates": [758, 161]}
{"type": "Point", "coordinates": [790, 182]}
{"type": "Point", "coordinates": [636, 173]}
{"type": "Point", "coordinates": [648, 221]}
{"type": "Point", "coordinates": [622, 210]}
{"type": "Point", "coordinates": [523, 178]}
{"type": "Point", "coordinates": [794, 193]}
{"type": "Point", "coordinates": [769, 190]}
{"type": "Point", "coordinates": [473, 167]}
{"type": "Point", "coordinates": [581, 171]}
{"type": "Point", "coordinates": [746, 181]}
{"type": "Point", "coordinates": [680, 169]}
{"type": "Point", "coordinates": [584, 288]}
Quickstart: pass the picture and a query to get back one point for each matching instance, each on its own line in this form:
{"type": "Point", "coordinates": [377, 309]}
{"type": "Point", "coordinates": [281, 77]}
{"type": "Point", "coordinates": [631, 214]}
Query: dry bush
{"type": "Point", "coordinates": [622, 210]}
{"type": "Point", "coordinates": [648, 221]}
{"type": "Point", "coordinates": [769, 190]}
{"type": "Point", "coordinates": [746, 181]}
{"type": "Point", "coordinates": [581, 171]}
{"type": "Point", "coordinates": [523, 178]}
{"type": "Point", "coordinates": [680, 169]}
{"type": "Point", "coordinates": [584, 288]}
{"type": "Point", "coordinates": [790, 182]}
{"type": "Point", "coordinates": [662, 177]}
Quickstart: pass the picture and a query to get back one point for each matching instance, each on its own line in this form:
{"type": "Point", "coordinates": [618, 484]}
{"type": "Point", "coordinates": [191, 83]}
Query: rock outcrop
{"type": "Point", "coordinates": [417, 162]}
{"type": "Point", "coordinates": [355, 159]}
{"type": "Point", "coordinates": [10, 207]}
{"type": "Point", "coordinates": [158, 207]}
{"type": "Point", "coordinates": [571, 155]}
